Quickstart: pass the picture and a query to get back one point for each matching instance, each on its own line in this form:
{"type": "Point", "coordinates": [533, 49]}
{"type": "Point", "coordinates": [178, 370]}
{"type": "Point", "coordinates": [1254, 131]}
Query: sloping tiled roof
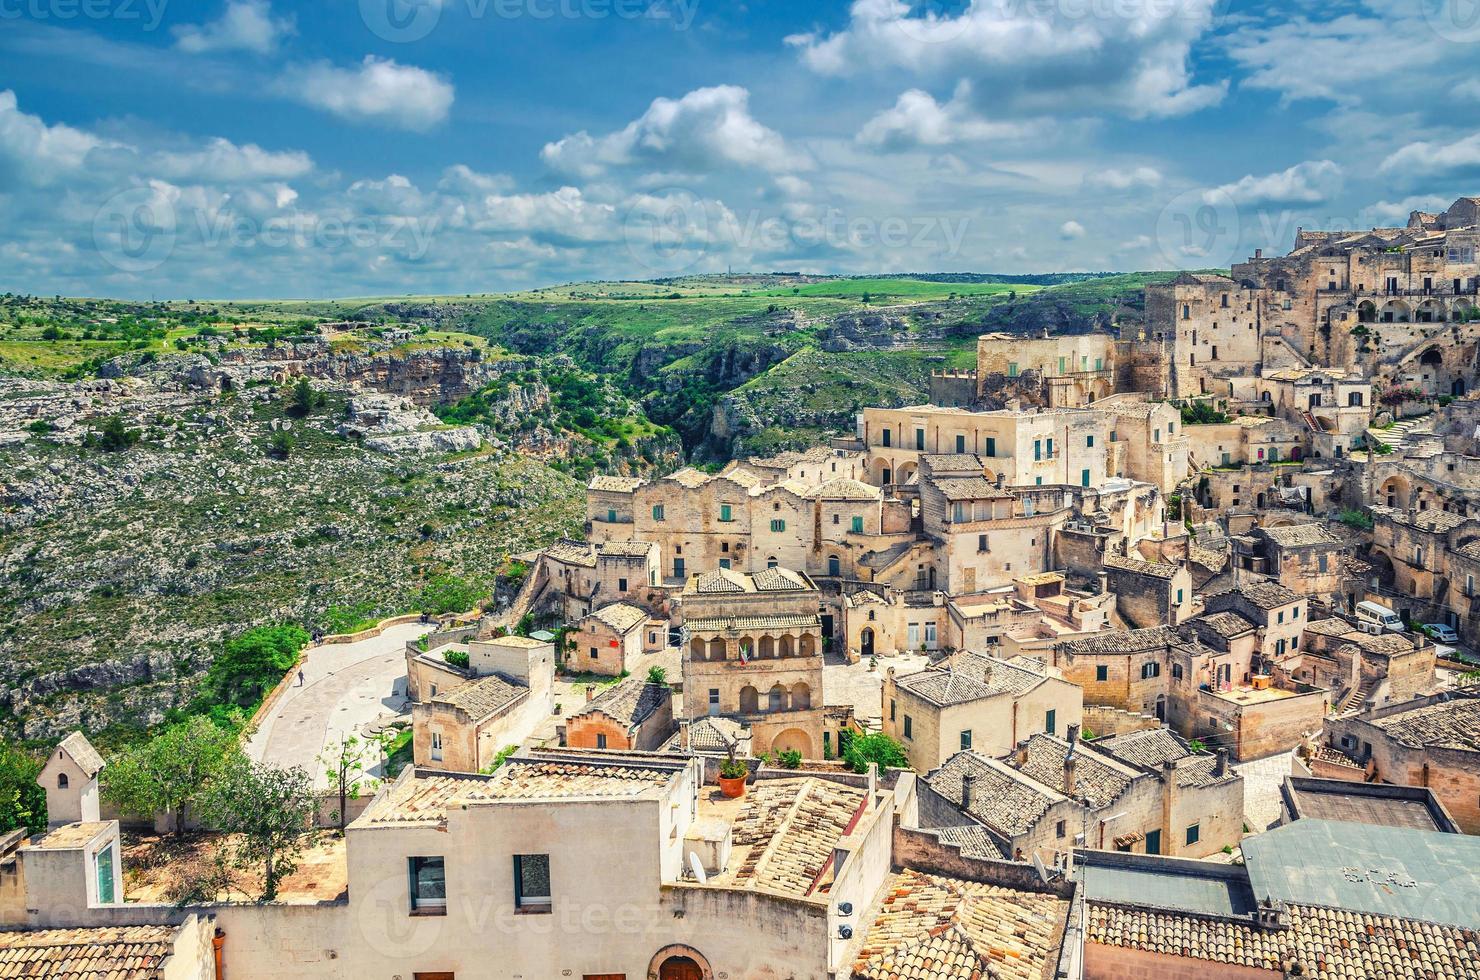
{"type": "Point", "coordinates": [791, 827]}
{"type": "Point", "coordinates": [779, 579]}
{"type": "Point", "coordinates": [1094, 778]}
{"type": "Point", "coordinates": [717, 582]}
{"type": "Point", "coordinates": [975, 841]}
{"type": "Point", "coordinates": [953, 462]}
{"type": "Point", "coordinates": [1448, 724]}
{"type": "Point", "coordinates": [624, 549]}
{"type": "Point", "coordinates": [482, 697]}
{"type": "Point", "coordinates": [1148, 748]}
{"type": "Point", "coordinates": [1327, 944]}
{"type": "Point", "coordinates": [1300, 535]}
{"type": "Point", "coordinates": [115, 953]}
{"type": "Point", "coordinates": [935, 928]}
{"type": "Point", "coordinates": [631, 702]}
{"type": "Point", "coordinates": [621, 616]}
{"type": "Point", "coordinates": [1124, 641]}
{"type": "Point", "coordinates": [846, 489]}
{"type": "Point", "coordinates": [970, 677]}
{"type": "Point", "coordinates": [617, 484]}
{"type": "Point", "coordinates": [716, 734]}
{"type": "Point", "coordinates": [82, 752]}
{"type": "Point", "coordinates": [424, 798]}
{"type": "Point", "coordinates": [571, 552]}
{"type": "Point", "coordinates": [970, 488]}
{"type": "Point", "coordinates": [1154, 569]}
{"type": "Point", "coordinates": [1001, 798]}
{"type": "Point", "coordinates": [1224, 624]}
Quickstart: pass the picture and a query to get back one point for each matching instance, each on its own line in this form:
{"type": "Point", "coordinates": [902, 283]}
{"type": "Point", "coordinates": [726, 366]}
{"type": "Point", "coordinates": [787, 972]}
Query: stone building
{"type": "Point", "coordinates": [1431, 741]}
{"type": "Point", "coordinates": [70, 778]}
{"type": "Point", "coordinates": [753, 653]}
{"type": "Point", "coordinates": [1055, 794]}
{"type": "Point", "coordinates": [1149, 593]}
{"type": "Point", "coordinates": [975, 702]}
{"type": "Point", "coordinates": [1415, 548]}
{"type": "Point", "coordinates": [611, 640]}
{"type": "Point", "coordinates": [463, 716]}
{"type": "Point", "coordinates": [1362, 668]}
{"type": "Point", "coordinates": [1277, 613]}
{"type": "Point", "coordinates": [1074, 370]}
{"type": "Point", "coordinates": [1305, 558]}
{"type": "Point", "coordinates": [1149, 439]}
{"type": "Point", "coordinates": [630, 715]}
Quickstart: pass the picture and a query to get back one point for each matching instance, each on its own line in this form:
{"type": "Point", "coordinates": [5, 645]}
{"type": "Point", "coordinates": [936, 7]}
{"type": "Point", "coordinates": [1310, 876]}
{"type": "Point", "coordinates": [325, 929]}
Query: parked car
{"type": "Point", "coordinates": [1374, 618]}
{"type": "Point", "coordinates": [1441, 632]}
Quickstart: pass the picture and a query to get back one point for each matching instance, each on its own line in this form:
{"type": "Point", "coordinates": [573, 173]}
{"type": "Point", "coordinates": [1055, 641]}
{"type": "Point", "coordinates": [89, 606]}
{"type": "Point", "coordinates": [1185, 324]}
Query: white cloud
{"type": "Point", "coordinates": [1311, 182]}
{"type": "Point", "coordinates": [1336, 59]}
{"type": "Point", "coordinates": [246, 25]}
{"type": "Point", "coordinates": [1132, 59]}
{"type": "Point", "coordinates": [378, 90]}
{"type": "Point", "coordinates": [918, 120]}
{"type": "Point", "coordinates": [1468, 90]}
{"type": "Point", "coordinates": [1433, 159]}
{"type": "Point", "coordinates": [221, 161]}
{"type": "Point", "coordinates": [1386, 214]}
{"type": "Point", "coordinates": [708, 129]}
{"type": "Point", "coordinates": [38, 151]}
{"type": "Point", "coordinates": [1112, 179]}
{"type": "Point", "coordinates": [1071, 231]}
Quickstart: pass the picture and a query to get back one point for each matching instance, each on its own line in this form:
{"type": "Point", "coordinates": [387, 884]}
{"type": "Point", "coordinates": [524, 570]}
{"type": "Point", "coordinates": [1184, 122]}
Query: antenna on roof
{"type": "Point", "coordinates": [1038, 867]}
{"type": "Point", "coordinates": [697, 866]}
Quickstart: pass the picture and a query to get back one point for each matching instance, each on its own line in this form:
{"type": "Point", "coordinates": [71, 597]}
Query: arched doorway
{"type": "Point", "coordinates": [679, 962]}
{"type": "Point", "coordinates": [866, 641]}
{"type": "Point", "coordinates": [793, 740]}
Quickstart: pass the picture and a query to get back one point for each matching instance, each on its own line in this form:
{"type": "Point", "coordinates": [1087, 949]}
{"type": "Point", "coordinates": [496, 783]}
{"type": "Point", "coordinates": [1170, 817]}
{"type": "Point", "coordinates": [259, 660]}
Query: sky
{"type": "Point", "coordinates": [233, 149]}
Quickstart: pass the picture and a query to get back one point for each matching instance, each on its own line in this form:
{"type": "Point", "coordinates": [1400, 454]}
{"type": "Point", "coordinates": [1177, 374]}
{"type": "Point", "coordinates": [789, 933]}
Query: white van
{"type": "Point", "coordinates": [1378, 619]}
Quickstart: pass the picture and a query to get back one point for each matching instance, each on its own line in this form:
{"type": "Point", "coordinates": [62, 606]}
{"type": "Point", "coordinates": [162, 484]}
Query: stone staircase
{"type": "Point", "coordinates": [1358, 698]}
{"type": "Point", "coordinates": [1403, 435]}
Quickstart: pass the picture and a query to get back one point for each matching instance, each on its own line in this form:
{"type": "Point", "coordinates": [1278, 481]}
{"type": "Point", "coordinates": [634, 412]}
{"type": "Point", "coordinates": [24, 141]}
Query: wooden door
{"type": "Point", "coordinates": [435, 976]}
{"type": "Point", "coordinates": [680, 968]}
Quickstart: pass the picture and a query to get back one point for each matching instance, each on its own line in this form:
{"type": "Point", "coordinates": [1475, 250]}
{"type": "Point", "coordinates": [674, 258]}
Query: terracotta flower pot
{"type": "Point", "coordinates": [732, 788]}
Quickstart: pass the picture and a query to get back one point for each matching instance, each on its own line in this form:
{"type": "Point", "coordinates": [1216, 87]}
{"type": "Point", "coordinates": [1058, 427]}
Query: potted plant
{"type": "Point", "coordinates": [732, 774]}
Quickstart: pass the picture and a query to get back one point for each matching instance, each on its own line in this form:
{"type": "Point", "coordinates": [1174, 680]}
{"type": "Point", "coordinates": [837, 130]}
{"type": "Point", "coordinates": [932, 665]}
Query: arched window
{"type": "Point", "coordinates": [716, 649]}
{"type": "Point", "coordinates": [776, 699]}
{"type": "Point", "coordinates": [834, 566]}
{"type": "Point", "coordinates": [62, 781]}
{"type": "Point", "coordinates": [750, 700]}
{"type": "Point", "coordinates": [801, 696]}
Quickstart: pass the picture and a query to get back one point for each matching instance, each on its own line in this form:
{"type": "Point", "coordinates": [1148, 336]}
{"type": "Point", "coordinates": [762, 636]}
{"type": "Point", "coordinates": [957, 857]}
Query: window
{"type": "Point", "coordinates": [1194, 833]}
{"type": "Point", "coordinates": [834, 566]}
{"type": "Point", "coordinates": [1037, 449]}
{"type": "Point", "coordinates": [966, 739]}
{"type": "Point", "coordinates": [678, 568]}
{"type": "Point", "coordinates": [1186, 312]}
{"type": "Point", "coordinates": [1102, 673]}
{"type": "Point", "coordinates": [1012, 370]}
{"type": "Point", "coordinates": [532, 882]}
{"type": "Point", "coordinates": [657, 512]}
{"type": "Point", "coordinates": [991, 446]}
{"type": "Point", "coordinates": [960, 444]}
{"type": "Point", "coordinates": [714, 700]}
{"type": "Point", "coordinates": [601, 741]}
{"type": "Point", "coordinates": [835, 518]}
{"type": "Point", "coordinates": [724, 563]}
{"type": "Point", "coordinates": [621, 585]}
{"type": "Point", "coordinates": [595, 655]}
{"type": "Point", "coordinates": [1179, 591]}
{"type": "Point", "coordinates": [909, 727]}
{"type": "Point", "coordinates": [891, 709]}
{"type": "Point", "coordinates": [958, 512]}
{"type": "Point", "coordinates": [887, 437]}
{"type": "Point", "coordinates": [726, 512]}
{"type": "Point", "coordinates": [857, 525]}
{"type": "Point", "coordinates": [1150, 670]}
{"type": "Point", "coordinates": [778, 526]}
{"type": "Point", "coordinates": [1060, 829]}
{"type": "Point", "coordinates": [436, 746]}
{"type": "Point", "coordinates": [1176, 672]}
{"type": "Point", "coordinates": [1084, 481]}
{"type": "Point", "coordinates": [1089, 442]}
{"type": "Point", "coordinates": [107, 895]}
{"type": "Point", "coordinates": [1048, 447]}
{"type": "Point", "coordinates": [1156, 435]}
{"type": "Point", "coordinates": [1280, 618]}
{"type": "Point", "coordinates": [920, 439]}
{"type": "Point", "coordinates": [428, 886]}
{"type": "Point", "coordinates": [62, 781]}
{"type": "Point", "coordinates": [1321, 564]}
{"type": "Point", "coordinates": [1050, 721]}
{"type": "Point", "coordinates": [611, 516]}
{"type": "Point", "coordinates": [981, 543]}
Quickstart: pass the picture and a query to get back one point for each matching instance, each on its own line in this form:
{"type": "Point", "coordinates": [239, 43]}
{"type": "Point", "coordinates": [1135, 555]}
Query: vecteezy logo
{"type": "Point", "coordinates": [1454, 20]}
{"type": "Point", "coordinates": [668, 232]}
{"type": "Point", "coordinates": [936, 21]}
{"type": "Point", "coordinates": [387, 930]}
{"type": "Point", "coordinates": [134, 230]}
{"type": "Point", "coordinates": [1199, 230]}
{"type": "Point", "coordinates": [401, 21]}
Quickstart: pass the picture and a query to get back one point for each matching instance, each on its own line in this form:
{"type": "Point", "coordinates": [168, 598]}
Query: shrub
{"type": "Point", "coordinates": [249, 666]}
{"type": "Point", "coordinates": [733, 769]}
{"type": "Point", "coordinates": [789, 759]}
{"type": "Point", "coordinates": [1360, 520]}
{"type": "Point", "coordinates": [447, 594]}
{"type": "Point", "coordinates": [457, 658]}
{"type": "Point", "coordinates": [657, 675]}
{"type": "Point", "coordinates": [281, 446]}
{"type": "Point", "coordinates": [875, 747]}
{"type": "Point", "coordinates": [115, 437]}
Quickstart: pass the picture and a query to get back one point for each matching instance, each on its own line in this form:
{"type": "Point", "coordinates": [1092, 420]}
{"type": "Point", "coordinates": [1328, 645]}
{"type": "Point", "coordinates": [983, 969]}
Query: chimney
{"type": "Point", "coordinates": [1104, 583]}
{"type": "Point", "coordinates": [987, 672]}
{"type": "Point", "coordinates": [590, 693]}
{"type": "Point", "coordinates": [1070, 764]}
{"type": "Point", "coordinates": [966, 782]}
{"type": "Point", "coordinates": [1073, 737]}
{"type": "Point", "coordinates": [1220, 765]}
{"type": "Point", "coordinates": [1001, 480]}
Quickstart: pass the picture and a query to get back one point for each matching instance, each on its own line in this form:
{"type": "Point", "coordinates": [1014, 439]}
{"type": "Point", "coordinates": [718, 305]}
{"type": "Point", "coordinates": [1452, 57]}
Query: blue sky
{"type": "Point", "coordinates": [255, 148]}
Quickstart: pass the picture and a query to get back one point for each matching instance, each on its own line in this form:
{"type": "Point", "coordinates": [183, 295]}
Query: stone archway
{"type": "Point", "coordinates": [866, 641]}
{"type": "Point", "coordinates": [793, 740]}
{"type": "Point", "coordinates": [679, 962]}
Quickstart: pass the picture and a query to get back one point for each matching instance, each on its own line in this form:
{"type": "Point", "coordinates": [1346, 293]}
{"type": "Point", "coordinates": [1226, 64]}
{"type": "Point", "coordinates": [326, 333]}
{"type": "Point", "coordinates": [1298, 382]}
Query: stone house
{"type": "Point", "coordinates": [1075, 369]}
{"type": "Point", "coordinates": [975, 702]}
{"type": "Point", "coordinates": [575, 577]}
{"type": "Point", "coordinates": [610, 641]}
{"type": "Point", "coordinates": [753, 652]}
{"type": "Point", "coordinates": [1152, 438]}
{"type": "Point", "coordinates": [70, 778]}
{"type": "Point", "coordinates": [1415, 546]}
{"type": "Point", "coordinates": [1148, 593]}
{"type": "Point", "coordinates": [462, 717]}
{"type": "Point", "coordinates": [630, 715]}
{"type": "Point", "coordinates": [1278, 613]}
{"type": "Point", "coordinates": [1362, 668]}
{"type": "Point", "coordinates": [886, 622]}
{"type": "Point", "coordinates": [1053, 794]}
{"type": "Point", "coordinates": [1431, 741]}
{"type": "Point", "coordinates": [1305, 558]}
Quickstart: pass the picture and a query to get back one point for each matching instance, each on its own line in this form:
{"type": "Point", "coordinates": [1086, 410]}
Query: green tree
{"type": "Point", "coordinates": [281, 445]}
{"type": "Point", "coordinates": [874, 747]}
{"type": "Point", "coordinates": [22, 801]}
{"type": "Point", "coordinates": [115, 437]}
{"type": "Point", "coordinates": [345, 767]}
{"type": "Point", "coordinates": [447, 594]}
{"type": "Point", "coordinates": [268, 815]}
{"type": "Point", "coordinates": [301, 401]}
{"type": "Point", "coordinates": [249, 666]}
{"type": "Point", "coordinates": [171, 771]}
{"type": "Point", "coordinates": [657, 675]}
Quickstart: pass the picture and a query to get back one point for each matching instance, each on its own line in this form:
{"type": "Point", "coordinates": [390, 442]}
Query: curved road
{"type": "Point", "coordinates": [345, 687]}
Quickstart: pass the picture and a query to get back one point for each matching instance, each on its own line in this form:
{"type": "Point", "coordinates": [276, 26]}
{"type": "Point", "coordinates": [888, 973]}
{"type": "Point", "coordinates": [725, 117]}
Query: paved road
{"type": "Point", "coordinates": [345, 687]}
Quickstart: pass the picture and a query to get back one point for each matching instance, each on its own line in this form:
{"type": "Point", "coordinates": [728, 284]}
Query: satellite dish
{"type": "Point", "coordinates": [1038, 867]}
{"type": "Point", "coordinates": [697, 867]}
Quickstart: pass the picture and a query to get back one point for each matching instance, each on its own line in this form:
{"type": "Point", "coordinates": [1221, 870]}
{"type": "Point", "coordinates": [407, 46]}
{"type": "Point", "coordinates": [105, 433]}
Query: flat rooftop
{"type": "Point", "coordinates": [1165, 883]}
{"type": "Point", "coordinates": [1381, 804]}
{"type": "Point", "coordinates": [1252, 695]}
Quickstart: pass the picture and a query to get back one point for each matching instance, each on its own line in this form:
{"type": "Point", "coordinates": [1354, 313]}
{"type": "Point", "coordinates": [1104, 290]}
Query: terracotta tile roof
{"type": "Point", "coordinates": [970, 677]}
{"type": "Point", "coordinates": [716, 734]}
{"type": "Point", "coordinates": [624, 549]}
{"type": "Point", "coordinates": [954, 462]}
{"type": "Point", "coordinates": [1225, 624]}
{"type": "Point", "coordinates": [1095, 778]}
{"type": "Point", "coordinates": [1125, 642]}
{"type": "Point", "coordinates": [935, 928]}
{"type": "Point", "coordinates": [1213, 561]}
{"type": "Point", "coordinates": [1002, 798]}
{"type": "Point", "coordinates": [425, 798]}
{"type": "Point", "coordinates": [1154, 569]}
{"type": "Point", "coordinates": [1148, 748]}
{"type": "Point", "coordinates": [570, 552]}
{"type": "Point", "coordinates": [82, 752]}
{"type": "Point", "coordinates": [630, 702]}
{"type": "Point", "coordinates": [1327, 944]}
{"type": "Point", "coordinates": [1431, 521]}
{"type": "Point", "coordinates": [722, 624]}
{"type": "Point", "coordinates": [1129, 409]}
{"type": "Point", "coordinates": [971, 488]}
{"type": "Point", "coordinates": [1266, 594]}
{"type": "Point", "coordinates": [618, 484]}
{"type": "Point", "coordinates": [846, 489]}
{"type": "Point", "coordinates": [483, 697]}
{"type": "Point", "coordinates": [621, 616]}
{"type": "Point", "coordinates": [120, 953]}
{"type": "Point", "coordinates": [779, 579]}
{"type": "Point", "coordinates": [1453, 724]}
{"type": "Point", "coordinates": [976, 841]}
{"type": "Point", "coordinates": [791, 827]}
{"type": "Point", "coordinates": [1300, 535]}
{"type": "Point", "coordinates": [689, 477]}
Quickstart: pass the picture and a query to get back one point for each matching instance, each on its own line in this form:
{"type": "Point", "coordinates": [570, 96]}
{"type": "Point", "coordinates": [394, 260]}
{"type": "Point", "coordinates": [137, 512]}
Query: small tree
{"type": "Point", "coordinates": [345, 767]}
{"type": "Point", "coordinates": [282, 445]}
{"type": "Point", "coordinates": [657, 675]}
{"type": "Point", "coordinates": [115, 437]}
{"type": "Point", "coordinates": [301, 401]}
{"type": "Point", "coordinates": [874, 747]}
{"type": "Point", "coordinates": [22, 801]}
{"type": "Point", "coordinates": [270, 814]}
{"type": "Point", "coordinates": [171, 771]}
